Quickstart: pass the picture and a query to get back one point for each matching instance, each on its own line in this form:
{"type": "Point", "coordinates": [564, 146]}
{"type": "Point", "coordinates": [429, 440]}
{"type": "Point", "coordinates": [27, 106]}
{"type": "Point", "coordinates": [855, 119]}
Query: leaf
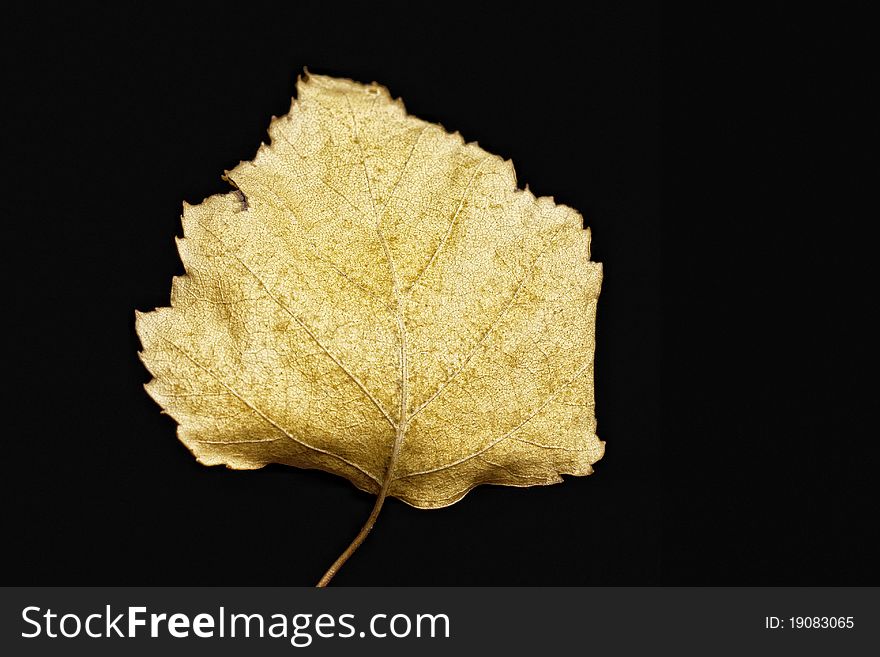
{"type": "Point", "coordinates": [377, 299]}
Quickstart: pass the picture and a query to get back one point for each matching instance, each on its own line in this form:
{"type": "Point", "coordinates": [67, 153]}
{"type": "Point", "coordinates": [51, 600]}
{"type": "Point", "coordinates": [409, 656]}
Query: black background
{"type": "Point", "coordinates": [736, 445]}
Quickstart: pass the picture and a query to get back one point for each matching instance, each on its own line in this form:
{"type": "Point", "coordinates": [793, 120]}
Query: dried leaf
{"type": "Point", "coordinates": [377, 299]}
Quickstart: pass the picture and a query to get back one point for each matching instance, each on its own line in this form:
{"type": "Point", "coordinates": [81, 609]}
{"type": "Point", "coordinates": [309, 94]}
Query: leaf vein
{"type": "Point", "coordinates": [259, 412]}
{"type": "Point", "coordinates": [507, 435]}
{"type": "Point", "coordinates": [303, 326]}
{"type": "Point", "coordinates": [492, 325]}
{"type": "Point", "coordinates": [451, 225]}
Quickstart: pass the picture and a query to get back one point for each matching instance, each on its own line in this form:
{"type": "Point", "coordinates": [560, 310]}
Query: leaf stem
{"type": "Point", "coordinates": [355, 544]}
{"type": "Point", "coordinates": [371, 520]}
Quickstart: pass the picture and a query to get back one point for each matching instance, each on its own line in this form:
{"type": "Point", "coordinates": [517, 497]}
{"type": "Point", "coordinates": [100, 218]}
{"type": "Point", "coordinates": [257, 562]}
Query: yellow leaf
{"type": "Point", "coordinates": [378, 300]}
